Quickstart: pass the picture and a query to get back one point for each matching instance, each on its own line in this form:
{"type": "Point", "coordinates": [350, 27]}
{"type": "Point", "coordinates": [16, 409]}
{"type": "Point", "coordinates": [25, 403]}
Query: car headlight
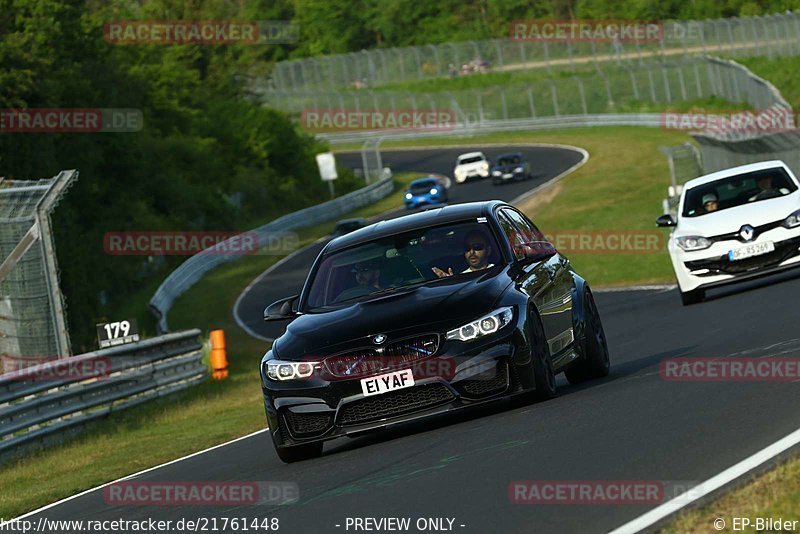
{"type": "Point", "coordinates": [488, 324]}
{"type": "Point", "coordinates": [458, 172]}
{"type": "Point", "coordinates": [496, 173]}
{"type": "Point", "coordinates": [485, 166]}
{"type": "Point", "coordinates": [280, 370]}
{"type": "Point", "coordinates": [793, 220]}
{"type": "Point", "coordinates": [434, 191]}
{"type": "Point", "coordinates": [409, 196]}
{"type": "Point", "coordinates": [693, 242]}
{"type": "Point", "coordinates": [518, 169]}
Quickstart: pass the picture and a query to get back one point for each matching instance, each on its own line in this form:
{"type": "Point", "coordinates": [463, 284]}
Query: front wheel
{"type": "Point", "coordinates": [543, 374]}
{"type": "Point", "coordinates": [596, 362]}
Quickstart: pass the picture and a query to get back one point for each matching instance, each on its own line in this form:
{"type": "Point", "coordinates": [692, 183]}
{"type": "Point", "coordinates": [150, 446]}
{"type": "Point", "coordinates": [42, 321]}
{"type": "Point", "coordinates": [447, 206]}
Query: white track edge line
{"type": "Point", "coordinates": [710, 485]}
{"type": "Point", "coordinates": [128, 477]}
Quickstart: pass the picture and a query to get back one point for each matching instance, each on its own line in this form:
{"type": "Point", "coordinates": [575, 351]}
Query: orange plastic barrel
{"type": "Point", "coordinates": [219, 358]}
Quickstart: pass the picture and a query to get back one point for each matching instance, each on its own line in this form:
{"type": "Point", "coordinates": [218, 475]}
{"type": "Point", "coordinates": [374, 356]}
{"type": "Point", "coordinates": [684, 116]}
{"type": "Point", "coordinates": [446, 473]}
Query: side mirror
{"type": "Point", "coordinates": [281, 310]}
{"type": "Point", "coordinates": [537, 250]}
{"type": "Point", "coordinates": [666, 221]}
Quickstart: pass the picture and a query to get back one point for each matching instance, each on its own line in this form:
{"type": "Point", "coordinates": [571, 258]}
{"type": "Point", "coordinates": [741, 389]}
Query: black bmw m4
{"type": "Point", "coordinates": [432, 312]}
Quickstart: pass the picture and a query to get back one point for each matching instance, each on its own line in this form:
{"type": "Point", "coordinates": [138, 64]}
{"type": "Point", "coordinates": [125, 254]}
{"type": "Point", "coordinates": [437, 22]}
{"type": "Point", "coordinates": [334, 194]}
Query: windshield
{"type": "Point", "coordinates": [400, 261]}
{"type": "Point", "coordinates": [472, 159]}
{"type": "Point", "coordinates": [509, 160]}
{"type": "Point", "coordinates": [423, 186]}
{"type": "Point", "coordinates": [737, 191]}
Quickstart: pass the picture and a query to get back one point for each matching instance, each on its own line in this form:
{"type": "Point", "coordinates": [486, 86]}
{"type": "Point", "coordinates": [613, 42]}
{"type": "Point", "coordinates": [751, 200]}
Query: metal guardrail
{"type": "Point", "coordinates": [43, 403]}
{"type": "Point", "coordinates": [543, 123]}
{"type": "Point", "coordinates": [194, 268]}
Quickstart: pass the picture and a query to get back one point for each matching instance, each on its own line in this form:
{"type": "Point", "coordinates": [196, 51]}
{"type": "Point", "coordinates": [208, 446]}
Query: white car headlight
{"type": "Point", "coordinates": [485, 166]}
{"type": "Point", "coordinates": [488, 324]}
{"type": "Point", "coordinates": [496, 173]}
{"type": "Point", "coordinates": [692, 242]}
{"type": "Point", "coordinates": [434, 191]}
{"type": "Point", "coordinates": [518, 169]}
{"type": "Point", "coordinates": [793, 220]}
{"type": "Point", "coordinates": [280, 370]}
{"type": "Point", "coordinates": [409, 196]}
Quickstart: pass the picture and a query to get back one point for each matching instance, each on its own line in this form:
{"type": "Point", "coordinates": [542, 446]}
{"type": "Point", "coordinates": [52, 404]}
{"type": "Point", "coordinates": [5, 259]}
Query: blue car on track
{"type": "Point", "coordinates": [427, 190]}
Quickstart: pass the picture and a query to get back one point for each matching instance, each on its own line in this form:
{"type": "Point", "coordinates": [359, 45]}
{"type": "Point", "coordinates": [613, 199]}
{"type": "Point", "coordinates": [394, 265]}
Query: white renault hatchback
{"type": "Point", "coordinates": [734, 224]}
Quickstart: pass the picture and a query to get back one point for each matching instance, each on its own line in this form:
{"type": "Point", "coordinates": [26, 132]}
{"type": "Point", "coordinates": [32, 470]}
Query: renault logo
{"type": "Point", "coordinates": [380, 339]}
{"type": "Point", "coordinates": [747, 232]}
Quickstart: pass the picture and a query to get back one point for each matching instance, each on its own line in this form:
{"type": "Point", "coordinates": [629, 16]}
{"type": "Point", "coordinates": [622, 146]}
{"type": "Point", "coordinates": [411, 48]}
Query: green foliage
{"type": "Point", "coordinates": [206, 158]}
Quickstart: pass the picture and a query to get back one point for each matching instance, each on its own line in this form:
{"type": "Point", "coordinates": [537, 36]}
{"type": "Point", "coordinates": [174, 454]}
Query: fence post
{"type": "Point", "coordinates": [531, 102]}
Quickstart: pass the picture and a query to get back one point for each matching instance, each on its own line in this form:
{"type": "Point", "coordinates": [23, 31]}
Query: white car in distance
{"type": "Point", "coordinates": [471, 165]}
{"type": "Point", "coordinates": [733, 225]}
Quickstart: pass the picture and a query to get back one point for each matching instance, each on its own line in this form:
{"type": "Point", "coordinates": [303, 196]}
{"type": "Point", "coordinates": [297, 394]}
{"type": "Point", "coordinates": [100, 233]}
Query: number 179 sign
{"type": "Point", "coordinates": [117, 333]}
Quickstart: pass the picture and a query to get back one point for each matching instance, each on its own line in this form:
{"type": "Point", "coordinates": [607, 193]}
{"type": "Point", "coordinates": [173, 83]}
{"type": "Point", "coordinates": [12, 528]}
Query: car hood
{"type": "Point", "coordinates": [470, 166]}
{"type": "Point", "coordinates": [732, 219]}
{"type": "Point", "coordinates": [438, 307]}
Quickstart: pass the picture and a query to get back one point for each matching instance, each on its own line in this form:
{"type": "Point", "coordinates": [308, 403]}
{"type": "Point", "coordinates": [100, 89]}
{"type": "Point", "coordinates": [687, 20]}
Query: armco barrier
{"type": "Point", "coordinates": [43, 403]}
{"type": "Point", "coordinates": [194, 268]}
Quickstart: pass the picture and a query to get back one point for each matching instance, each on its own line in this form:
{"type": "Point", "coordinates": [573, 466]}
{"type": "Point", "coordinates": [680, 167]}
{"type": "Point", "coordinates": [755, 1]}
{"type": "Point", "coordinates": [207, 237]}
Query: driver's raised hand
{"type": "Point", "coordinates": [440, 273]}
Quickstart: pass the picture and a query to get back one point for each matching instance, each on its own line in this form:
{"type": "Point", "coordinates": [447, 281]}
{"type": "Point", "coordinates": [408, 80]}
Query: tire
{"type": "Point", "coordinates": [596, 362]}
{"type": "Point", "coordinates": [543, 373]}
{"type": "Point", "coordinates": [298, 453]}
{"type": "Point", "coordinates": [695, 296]}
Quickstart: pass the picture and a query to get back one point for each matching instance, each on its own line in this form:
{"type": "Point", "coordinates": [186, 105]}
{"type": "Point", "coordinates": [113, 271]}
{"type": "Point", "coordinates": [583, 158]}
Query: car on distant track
{"type": "Point", "coordinates": [511, 167]}
{"type": "Point", "coordinates": [425, 191]}
{"type": "Point", "coordinates": [471, 165]}
{"type": "Point", "coordinates": [428, 313]}
{"type": "Point", "coordinates": [734, 225]}
{"type": "Point", "coordinates": [345, 226]}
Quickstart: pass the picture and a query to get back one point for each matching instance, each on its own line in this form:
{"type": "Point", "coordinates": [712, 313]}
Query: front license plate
{"type": "Point", "coordinates": [375, 385]}
{"type": "Point", "coordinates": [756, 249]}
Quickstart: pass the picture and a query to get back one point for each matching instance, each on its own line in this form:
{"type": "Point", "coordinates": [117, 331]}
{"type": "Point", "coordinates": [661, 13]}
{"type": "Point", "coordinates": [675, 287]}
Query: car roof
{"type": "Point", "coordinates": [742, 169]}
{"type": "Point", "coordinates": [510, 155]}
{"type": "Point", "coordinates": [471, 155]}
{"type": "Point", "coordinates": [423, 180]}
{"type": "Point", "coordinates": [443, 215]}
{"type": "Point", "coordinates": [361, 220]}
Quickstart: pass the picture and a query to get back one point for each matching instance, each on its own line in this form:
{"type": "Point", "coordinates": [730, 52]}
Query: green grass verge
{"type": "Point", "coordinates": [775, 494]}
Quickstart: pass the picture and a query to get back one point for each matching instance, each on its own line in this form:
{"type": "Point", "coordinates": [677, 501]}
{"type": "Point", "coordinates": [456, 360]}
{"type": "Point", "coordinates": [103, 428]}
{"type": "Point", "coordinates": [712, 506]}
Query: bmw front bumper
{"type": "Point", "coordinates": [315, 409]}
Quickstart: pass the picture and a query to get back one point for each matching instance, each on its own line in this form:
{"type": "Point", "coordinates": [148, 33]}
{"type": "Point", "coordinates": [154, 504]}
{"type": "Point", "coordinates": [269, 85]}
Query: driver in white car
{"type": "Point", "coordinates": [766, 190]}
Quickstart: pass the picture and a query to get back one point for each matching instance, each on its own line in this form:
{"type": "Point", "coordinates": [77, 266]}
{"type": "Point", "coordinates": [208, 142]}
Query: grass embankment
{"type": "Point", "coordinates": [162, 430]}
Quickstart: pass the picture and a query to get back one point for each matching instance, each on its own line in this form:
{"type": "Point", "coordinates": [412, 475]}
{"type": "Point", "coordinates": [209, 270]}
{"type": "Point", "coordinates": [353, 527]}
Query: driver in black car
{"type": "Point", "coordinates": [476, 252]}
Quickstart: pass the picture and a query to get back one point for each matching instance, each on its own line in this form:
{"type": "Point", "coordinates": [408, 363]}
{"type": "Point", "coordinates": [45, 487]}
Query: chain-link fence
{"type": "Point", "coordinates": [648, 87]}
{"type": "Point", "coordinates": [738, 37]}
{"type": "Point", "coordinates": [32, 319]}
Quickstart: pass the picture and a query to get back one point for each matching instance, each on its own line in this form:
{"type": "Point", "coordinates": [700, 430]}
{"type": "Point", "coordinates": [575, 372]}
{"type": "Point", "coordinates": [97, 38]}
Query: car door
{"type": "Point", "coordinates": [547, 280]}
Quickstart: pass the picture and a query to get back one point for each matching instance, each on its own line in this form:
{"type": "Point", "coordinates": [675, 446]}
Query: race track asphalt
{"type": "Point", "coordinates": [633, 425]}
